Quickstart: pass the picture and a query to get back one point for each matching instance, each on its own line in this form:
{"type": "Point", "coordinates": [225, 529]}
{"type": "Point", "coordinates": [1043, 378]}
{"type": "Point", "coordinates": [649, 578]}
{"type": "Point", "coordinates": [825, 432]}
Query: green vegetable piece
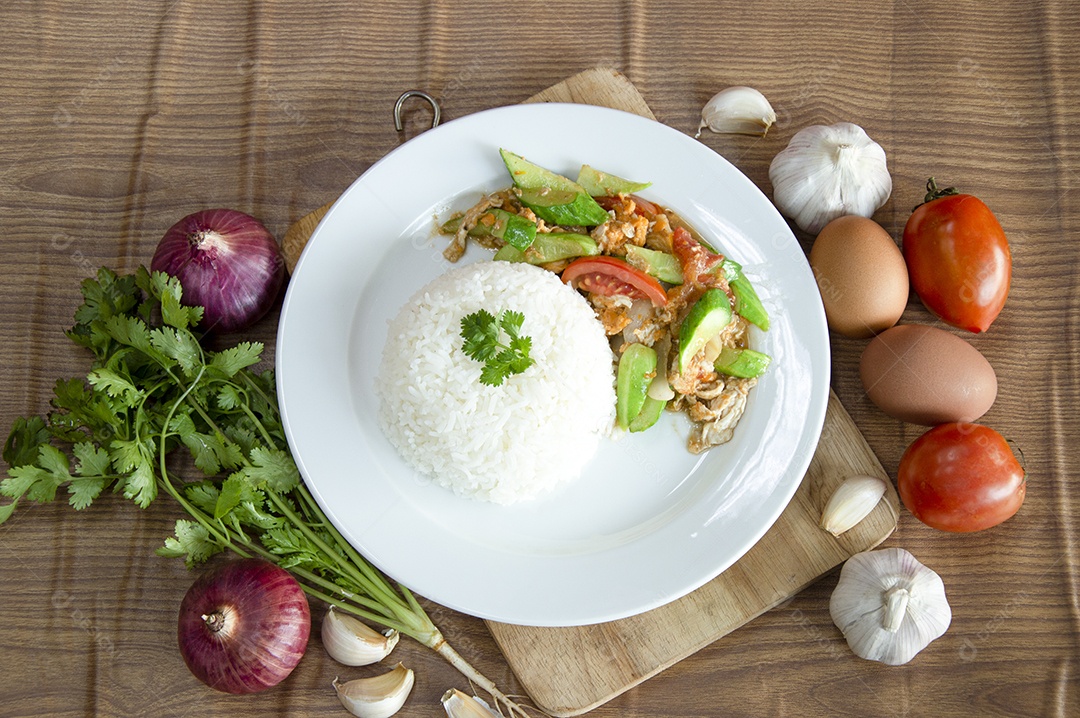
{"type": "Point", "coordinates": [649, 414]}
{"type": "Point", "coordinates": [482, 333]}
{"type": "Point", "coordinates": [554, 198]}
{"type": "Point", "coordinates": [747, 303]}
{"type": "Point", "coordinates": [710, 314]}
{"type": "Point", "coordinates": [637, 367]}
{"type": "Point", "coordinates": [551, 248]}
{"type": "Point", "coordinates": [452, 225]}
{"type": "Point", "coordinates": [515, 230]}
{"type": "Point", "coordinates": [661, 265]}
{"type": "Point", "coordinates": [602, 184]}
{"type": "Point", "coordinates": [558, 207]}
{"type": "Point", "coordinates": [745, 363]}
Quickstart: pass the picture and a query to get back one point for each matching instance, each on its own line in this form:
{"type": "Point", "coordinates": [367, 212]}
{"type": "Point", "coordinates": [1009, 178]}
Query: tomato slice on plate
{"type": "Point", "coordinates": [609, 276]}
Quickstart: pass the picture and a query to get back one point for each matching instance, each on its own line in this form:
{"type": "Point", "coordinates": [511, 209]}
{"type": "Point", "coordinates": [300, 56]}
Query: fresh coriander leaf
{"type": "Point", "coordinates": [492, 374]}
{"type": "Point", "coordinates": [229, 397]}
{"type": "Point", "coordinates": [192, 542]}
{"type": "Point", "coordinates": [203, 494]}
{"type": "Point", "coordinates": [250, 513]}
{"type": "Point", "coordinates": [511, 322]}
{"type": "Point", "coordinates": [6, 511]}
{"type": "Point", "coordinates": [21, 478]}
{"type": "Point", "coordinates": [22, 443]}
{"type": "Point", "coordinates": [173, 313]}
{"type": "Point", "coordinates": [234, 490]}
{"type": "Point", "coordinates": [209, 451]}
{"type": "Point", "coordinates": [133, 459]}
{"type": "Point", "coordinates": [131, 332]}
{"type": "Point", "coordinates": [106, 296]}
{"type": "Point", "coordinates": [232, 360]}
{"type": "Point", "coordinates": [93, 461]}
{"type": "Point", "coordinates": [141, 485]}
{"type": "Point", "coordinates": [274, 467]}
{"type": "Point", "coordinates": [481, 334]}
{"type": "Point", "coordinates": [179, 345]}
{"type": "Point", "coordinates": [115, 386]}
{"type": "Point", "coordinates": [84, 490]}
{"type": "Point", "coordinates": [54, 461]}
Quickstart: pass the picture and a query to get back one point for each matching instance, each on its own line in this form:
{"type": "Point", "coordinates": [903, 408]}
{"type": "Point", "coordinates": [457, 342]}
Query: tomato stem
{"type": "Point", "coordinates": [933, 192]}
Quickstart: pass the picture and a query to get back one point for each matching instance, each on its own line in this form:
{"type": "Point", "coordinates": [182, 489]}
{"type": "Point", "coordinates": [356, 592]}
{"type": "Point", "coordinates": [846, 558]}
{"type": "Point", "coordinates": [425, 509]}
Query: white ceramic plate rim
{"type": "Point", "coordinates": [598, 550]}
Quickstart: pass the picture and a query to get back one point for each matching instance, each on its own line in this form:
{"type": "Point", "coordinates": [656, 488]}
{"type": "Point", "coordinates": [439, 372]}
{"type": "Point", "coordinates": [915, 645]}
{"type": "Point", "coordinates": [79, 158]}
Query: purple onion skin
{"type": "Point", "coordinates": [227, 262]}
{"type": "Point", "coordinates": [264, 630]}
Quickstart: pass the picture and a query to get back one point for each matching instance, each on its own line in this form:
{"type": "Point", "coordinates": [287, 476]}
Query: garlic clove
{"type": "Point", "coordinates": [737, 110]}
{"type": "Point", "coordinates": [352, 643]}
{"type": "Point", "coordinates": [378, 696]}
{"type": "Point", "coordinates": [852, 502]}
{"type": "Point", "coordinates": [829, 171]}
{"type": "Point", "coordinates": [461, 705]}
{"type": "Point", "coordinates": [889, 606]}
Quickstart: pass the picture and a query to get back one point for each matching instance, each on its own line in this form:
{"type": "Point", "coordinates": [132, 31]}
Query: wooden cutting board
{"type": "Point", "coordinates": [569, 671]}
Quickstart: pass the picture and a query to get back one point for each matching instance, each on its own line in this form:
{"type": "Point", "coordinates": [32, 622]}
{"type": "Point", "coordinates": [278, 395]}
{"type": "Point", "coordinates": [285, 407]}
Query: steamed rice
{"type": "Point", "coordinates": [503, 443]}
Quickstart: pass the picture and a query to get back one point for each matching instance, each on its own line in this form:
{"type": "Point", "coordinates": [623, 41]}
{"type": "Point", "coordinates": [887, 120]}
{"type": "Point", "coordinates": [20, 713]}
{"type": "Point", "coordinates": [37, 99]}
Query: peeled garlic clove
{"type": "Point", "coordinates": [826, 172]}
{"type": "Point", "coordinates": [852, 502]}
{"type": "Point", "coordinates": [461, 705]}
{"type": "Point", "coordinates": [737, 110]}
{"type": "Point", "coordinates": [378, 696]}
{"type": "Point", "coordinates": [352, 643]}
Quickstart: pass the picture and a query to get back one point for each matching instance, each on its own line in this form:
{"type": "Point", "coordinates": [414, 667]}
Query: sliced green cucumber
{"type": "Point", "coordinates": [556, 206]}
{"type": "Point", "coordinates": [745, 363]}
{"type": "Point", "coordinates": [602, 184]}
{"type": "Point", "coordinates": [650, 413]}
{"type": "Point", "coordinates": [554, 198]}
{"type": "Point", "coordinates": [710, 314]}
{"type": "Point", "coordinates": [513, 229]}
{"type": "Point", "coordinates": [747, 303]}
{"type": "Point", "coordinates": [637, 367]}
{"type": "Point", "coordinates": [551, 248]}
{"type": "Point", "coordinates": [661, 265]}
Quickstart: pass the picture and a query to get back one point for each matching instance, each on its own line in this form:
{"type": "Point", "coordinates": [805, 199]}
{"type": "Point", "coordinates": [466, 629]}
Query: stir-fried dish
{"type": "Point", "coordinates": [677, 312]}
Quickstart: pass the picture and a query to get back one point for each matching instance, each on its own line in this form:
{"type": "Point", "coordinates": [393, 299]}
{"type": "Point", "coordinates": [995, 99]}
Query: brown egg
{"type": "Point", "coordinates": [861, 275]}
{"type": "Point", "coordinates": [927, 376]}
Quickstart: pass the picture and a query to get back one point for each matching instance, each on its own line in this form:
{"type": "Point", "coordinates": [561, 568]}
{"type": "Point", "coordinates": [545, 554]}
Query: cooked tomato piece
{"type": "Point", "coordinates": [641, 206]}
{"type": "Point", "coordinates": [609, 276]}
{"type": "Point", "coordinates": [699, 265]}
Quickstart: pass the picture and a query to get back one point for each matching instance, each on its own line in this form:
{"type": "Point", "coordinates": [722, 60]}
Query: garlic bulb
{"type": "Point", "coordinates": [378, 696]}
{"type": "Point", "coordinates": [828, 172]}
{"type": "Point", "coordinates": [889, 606]}
{"type": "Point", "coordinates": [739, 111]}
{"type": "Point", "coordinates": [852, 502]}
{"type": "Point", "coordinates": [461, 705]}
{"type": "Point", "coordinates": [352, 643]}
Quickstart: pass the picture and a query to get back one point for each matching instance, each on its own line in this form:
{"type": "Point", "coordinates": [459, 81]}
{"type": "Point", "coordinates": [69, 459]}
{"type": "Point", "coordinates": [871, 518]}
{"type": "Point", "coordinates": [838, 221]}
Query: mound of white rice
{"type": "Point", "coordinates": [503, 443]}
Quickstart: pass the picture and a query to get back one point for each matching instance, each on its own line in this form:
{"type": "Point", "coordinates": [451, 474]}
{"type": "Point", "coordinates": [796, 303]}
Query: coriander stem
{"type": "Point", "coordinates": [373, 575]}
{"type": "Point", "coordinates": [346, 567]}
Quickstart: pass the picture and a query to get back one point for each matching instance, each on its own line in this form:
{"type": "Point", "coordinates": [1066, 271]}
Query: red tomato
{"type": "Point", "coordinates": [958, 258]}
{"type": "Point", "coordinates": [609, 276]}
{"type": "Point", "coordinates": [642, 206]}
{"type": "Point", "coordinates": [699, 265]}
{"type": "Point", "coordinates": [961, 477]}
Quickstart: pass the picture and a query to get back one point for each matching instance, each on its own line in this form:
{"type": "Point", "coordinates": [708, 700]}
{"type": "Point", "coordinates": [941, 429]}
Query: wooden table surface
{"type": "Point", "coordinates": [116, 119]}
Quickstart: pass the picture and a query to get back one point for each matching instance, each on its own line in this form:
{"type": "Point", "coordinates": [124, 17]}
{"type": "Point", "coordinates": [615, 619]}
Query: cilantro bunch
{"type": "Point", "coordinates": [157, 404]}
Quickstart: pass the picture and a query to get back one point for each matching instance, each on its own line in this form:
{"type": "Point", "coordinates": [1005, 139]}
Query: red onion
{"type": "Point", "coordinates": [227, 262]}
{"type": "Point", "coordinates": [244, 626]}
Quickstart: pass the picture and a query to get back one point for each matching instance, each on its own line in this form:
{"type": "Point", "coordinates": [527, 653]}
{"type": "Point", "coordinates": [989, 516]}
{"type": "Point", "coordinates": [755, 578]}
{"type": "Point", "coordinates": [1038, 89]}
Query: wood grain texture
{"type": "Point", "coordinates": [119, 118]}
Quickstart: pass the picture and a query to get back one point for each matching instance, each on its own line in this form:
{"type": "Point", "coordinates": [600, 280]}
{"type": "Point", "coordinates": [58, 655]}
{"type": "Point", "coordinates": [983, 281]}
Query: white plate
{"type": "Point", "coordinates": [647, 522]}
